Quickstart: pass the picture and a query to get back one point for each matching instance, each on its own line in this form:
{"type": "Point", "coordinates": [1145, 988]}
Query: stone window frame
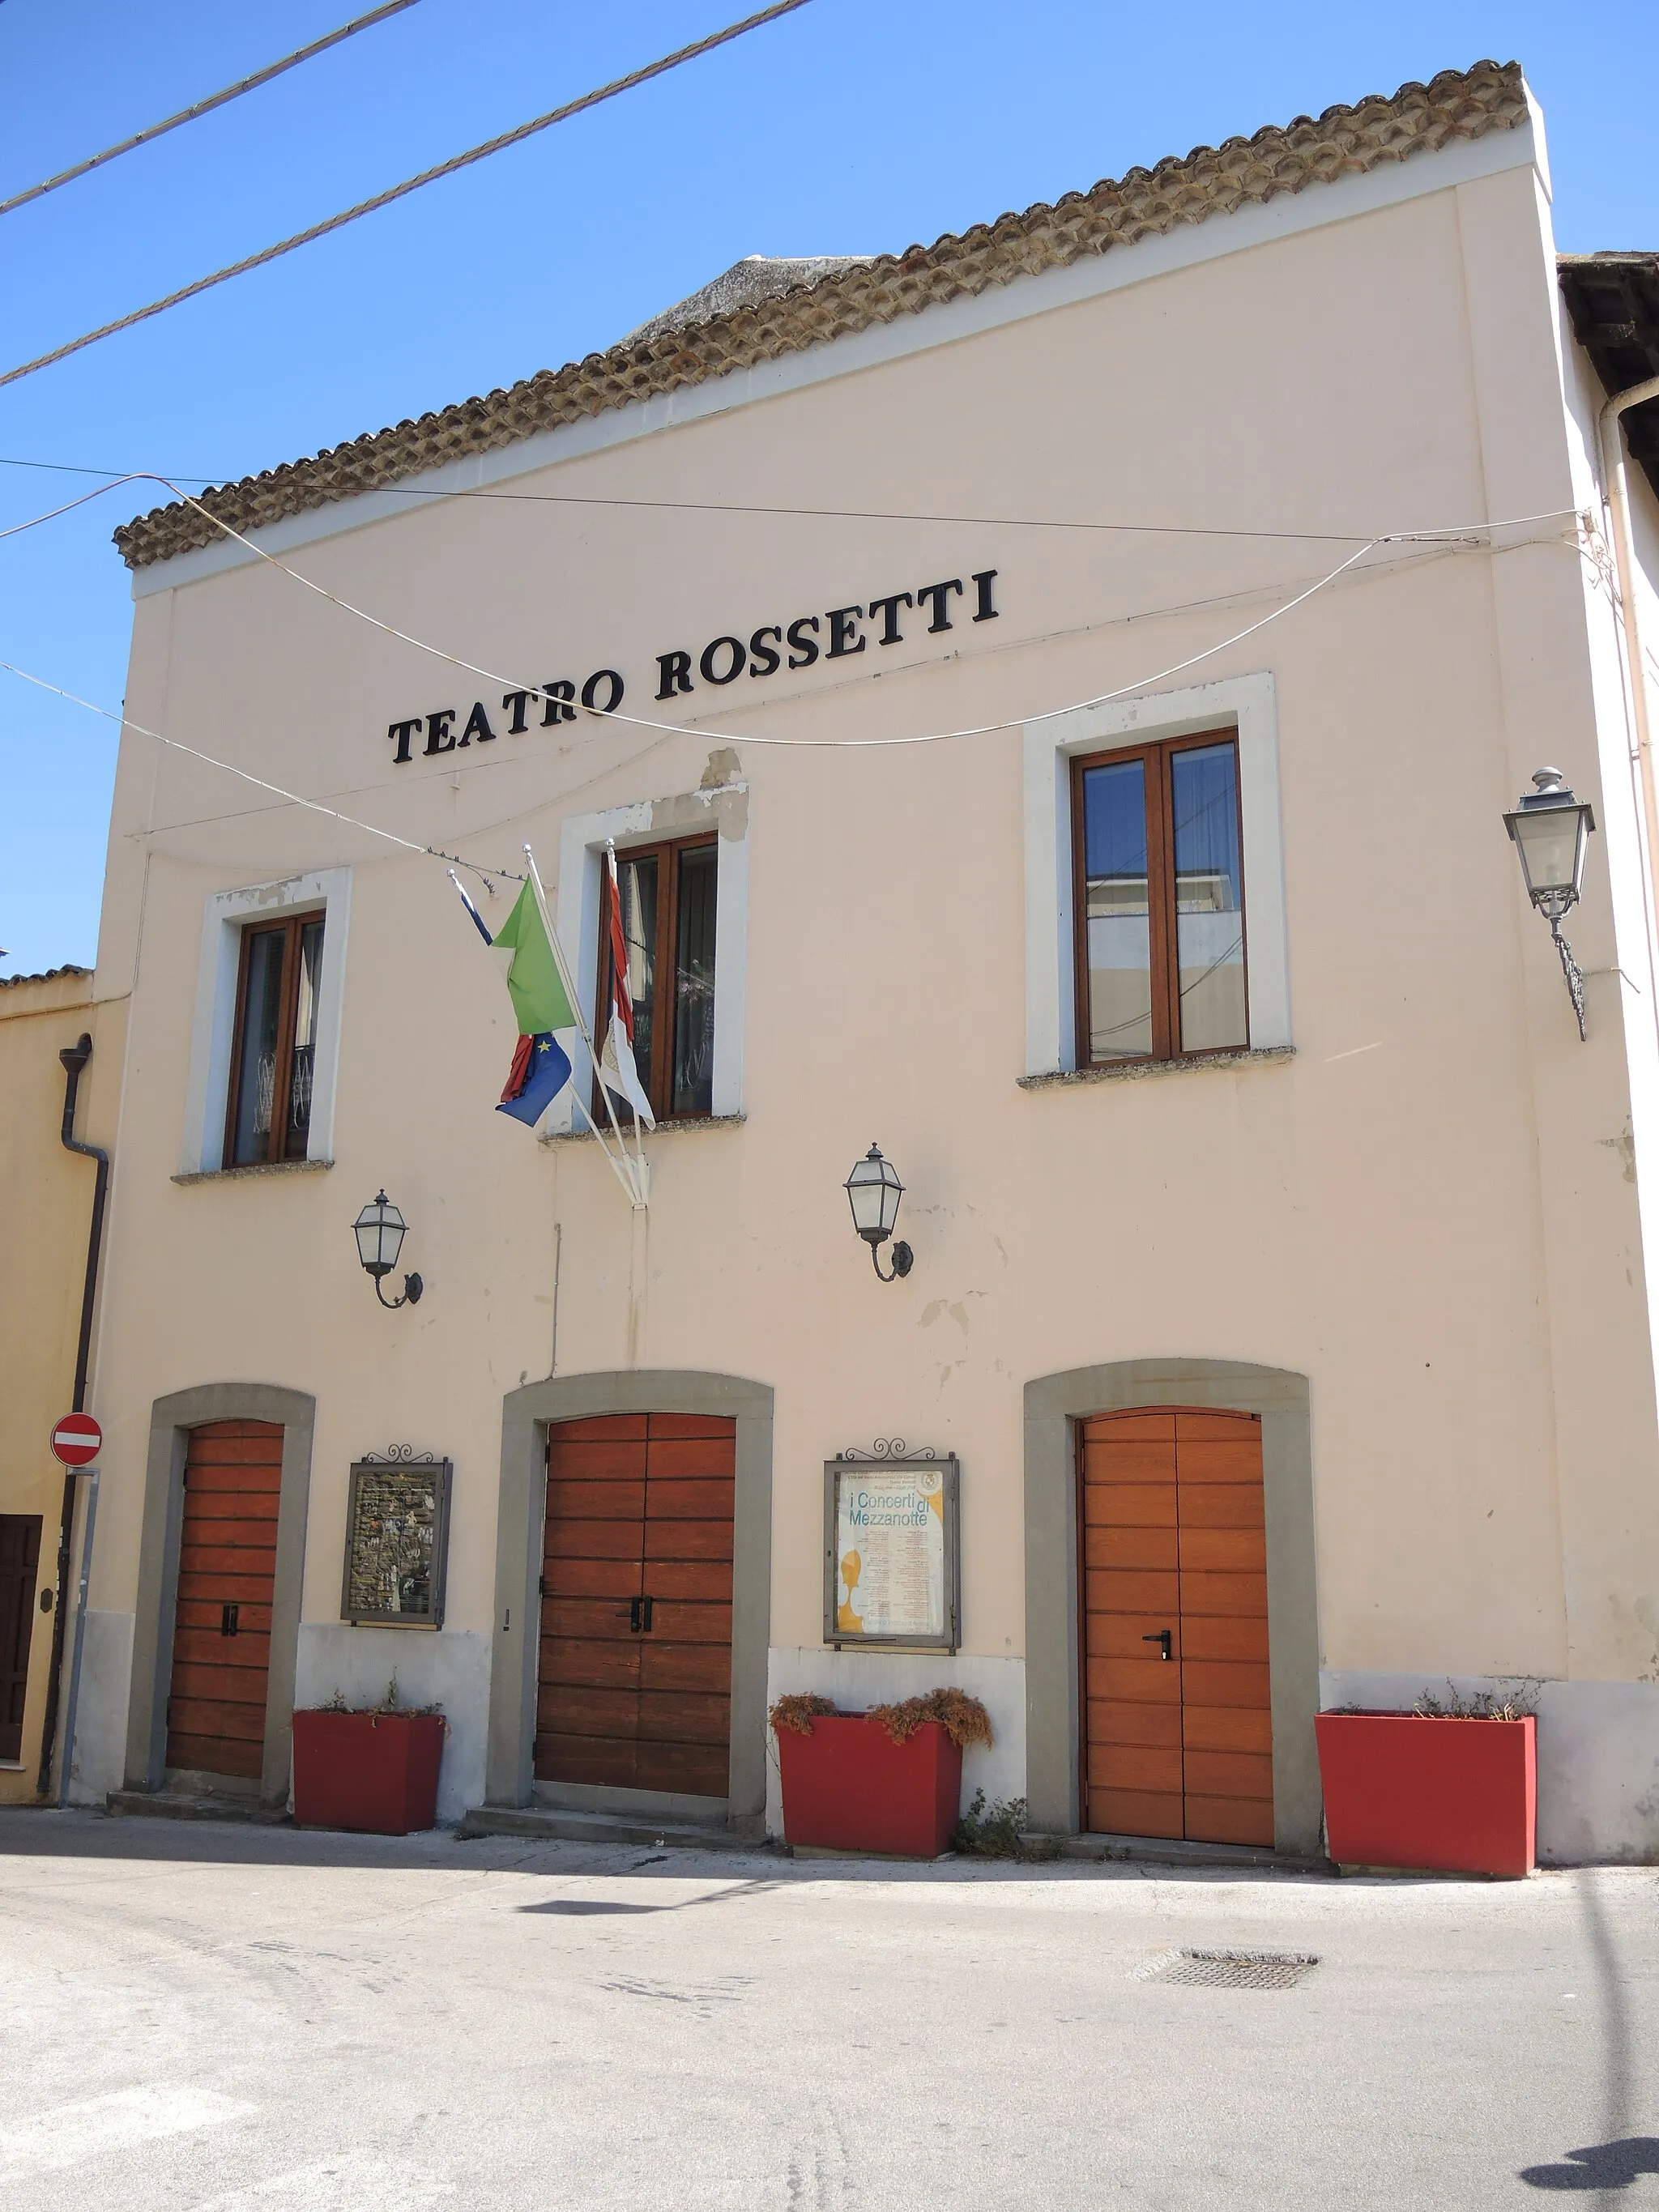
{"type": "Point", "coordinates": [527, 1413]}
{"type": "Point", "coordinates": [721, 811]}
{"type": "Point", "coordinates": [1247, 704]}
{"type": "Point", "coordinates": [213, 1041]}
{"type": "Point", "coordinates": [1055, 1404]}
{"type": "Point", "coordinates": [172, 1420]}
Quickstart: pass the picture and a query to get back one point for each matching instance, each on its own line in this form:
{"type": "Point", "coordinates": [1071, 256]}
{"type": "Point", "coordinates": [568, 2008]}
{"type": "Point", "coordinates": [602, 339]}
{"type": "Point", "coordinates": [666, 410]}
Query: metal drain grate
{"type": "Point", "coordinates": [1235, 1970]}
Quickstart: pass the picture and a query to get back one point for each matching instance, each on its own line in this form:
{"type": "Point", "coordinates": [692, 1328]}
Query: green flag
{"type": "Point", "coordinates": [526, 959]}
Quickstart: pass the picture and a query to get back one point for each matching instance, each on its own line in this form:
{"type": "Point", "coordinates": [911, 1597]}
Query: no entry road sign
{"type": "Point", "coordinates": [76, 1439]}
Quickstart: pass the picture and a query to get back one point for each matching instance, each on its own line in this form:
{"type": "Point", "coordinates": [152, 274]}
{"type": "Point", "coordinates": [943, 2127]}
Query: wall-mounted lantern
{"type": "Point", "coordinates": [874, 1191]}
{"type": "Point", "coordinates": [379, 1230]}
{"type": "Point", "coordinates": [1551, 829]}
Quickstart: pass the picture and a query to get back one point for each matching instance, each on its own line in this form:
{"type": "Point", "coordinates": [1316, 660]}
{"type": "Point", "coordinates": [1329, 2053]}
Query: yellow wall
{"type": "Point", "coordinates": [46, 1205]}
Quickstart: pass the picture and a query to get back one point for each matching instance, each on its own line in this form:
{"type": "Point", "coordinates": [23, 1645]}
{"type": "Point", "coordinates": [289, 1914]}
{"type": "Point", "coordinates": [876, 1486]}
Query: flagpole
{"type": "Point", "coordinates": [615, 894]}
{"type": "Point", "coordinates": [625, 1167]}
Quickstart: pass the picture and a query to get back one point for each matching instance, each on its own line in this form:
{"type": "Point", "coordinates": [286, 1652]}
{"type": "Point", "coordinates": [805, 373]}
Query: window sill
{"type": "Point", "coordinates": [1132, 1071]}
{"type": "Point", "coordinates": [690, 1122]}
{"type": "Point", "coordinates": [255, 1168]}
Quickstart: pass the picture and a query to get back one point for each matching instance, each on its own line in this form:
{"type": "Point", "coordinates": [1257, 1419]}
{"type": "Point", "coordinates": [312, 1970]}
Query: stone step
{"type": "Point", "coordinates": [193, 1805]}
{"type": "Point", "coordinates": [1158, 1850]}
{"type": "Point", "coordinates": [557, 1825]}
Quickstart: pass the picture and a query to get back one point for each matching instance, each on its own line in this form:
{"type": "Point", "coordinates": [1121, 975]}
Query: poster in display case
{"type": "Point", "coordinates": [892, 1526]}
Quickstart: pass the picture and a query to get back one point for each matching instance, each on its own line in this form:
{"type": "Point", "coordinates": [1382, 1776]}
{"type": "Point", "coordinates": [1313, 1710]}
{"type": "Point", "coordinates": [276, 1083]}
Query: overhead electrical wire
{"type": "Point", "coordinates": [116, 477]}
{"type": "Point", "coordinates": [410, 184]}
{"type": "Point", "coordinates": [205, 106]}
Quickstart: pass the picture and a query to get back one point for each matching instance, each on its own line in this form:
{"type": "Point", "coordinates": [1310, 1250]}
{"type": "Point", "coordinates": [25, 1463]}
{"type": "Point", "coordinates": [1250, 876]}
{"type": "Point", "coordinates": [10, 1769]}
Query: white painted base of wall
{"type": "Point", "coordinates": [1598, 1756]}
{"type": "Point", "coordinates": [101, 1720]}
{"type": "Point", "coordinates": [856, 1679]}
{"type": "Point", "coordinates": [451, 1669]}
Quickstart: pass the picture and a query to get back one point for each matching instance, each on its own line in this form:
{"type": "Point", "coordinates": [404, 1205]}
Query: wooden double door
{"type": "Point", "coordinates": [19, 1566]}
{"type": "Point", "coordinates": [635, 1681]}
{"type": "Point", "coordinates": [1177, 1733]}
{"type": "Point", "coordinates": [226, 1570]}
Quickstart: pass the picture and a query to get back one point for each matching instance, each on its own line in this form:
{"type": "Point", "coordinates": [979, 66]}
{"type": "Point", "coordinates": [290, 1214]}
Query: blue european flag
{"type": "Point", "coordinates": [538, 1076]}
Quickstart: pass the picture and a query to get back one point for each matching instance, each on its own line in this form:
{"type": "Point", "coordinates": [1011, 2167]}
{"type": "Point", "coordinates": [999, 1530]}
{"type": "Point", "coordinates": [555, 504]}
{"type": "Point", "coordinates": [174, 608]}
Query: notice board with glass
{"type": "Point", "coordinates": [397, 1542]}
{"type": "Point", "coordinates": [892, 1552]}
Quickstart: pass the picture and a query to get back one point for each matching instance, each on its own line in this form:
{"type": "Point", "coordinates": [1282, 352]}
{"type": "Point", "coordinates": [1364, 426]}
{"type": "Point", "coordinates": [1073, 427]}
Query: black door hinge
{"type": "Point", "coordinates": [541, 1585]}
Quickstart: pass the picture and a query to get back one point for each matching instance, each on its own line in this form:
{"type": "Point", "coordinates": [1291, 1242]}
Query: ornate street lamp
{"type": "Point", "coordinates": [874, 1191]}
{"type": "Point", "coordinates": [1551, 829]}
{"type": "Point", "coordinates": [379, 1230]}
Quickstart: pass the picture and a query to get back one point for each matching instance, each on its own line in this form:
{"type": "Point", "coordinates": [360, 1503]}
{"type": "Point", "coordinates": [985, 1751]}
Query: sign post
{"type": "Point", "coordinates": [75, 1442]}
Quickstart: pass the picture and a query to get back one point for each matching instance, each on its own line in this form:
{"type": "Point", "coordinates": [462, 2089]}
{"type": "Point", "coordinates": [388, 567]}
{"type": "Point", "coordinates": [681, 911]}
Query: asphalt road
{"type": "Point", "coordinates": [265, 2022]}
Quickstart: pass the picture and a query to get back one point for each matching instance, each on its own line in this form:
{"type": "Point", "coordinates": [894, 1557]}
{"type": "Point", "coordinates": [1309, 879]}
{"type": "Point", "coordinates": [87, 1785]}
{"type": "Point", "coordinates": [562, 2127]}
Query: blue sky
{"type": "Point", "coordinates": [852, 126]}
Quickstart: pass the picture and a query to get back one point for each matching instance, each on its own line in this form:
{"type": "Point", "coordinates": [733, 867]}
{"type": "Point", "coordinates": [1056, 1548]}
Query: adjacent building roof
{"type": "Point", "coordinates": [689, 346]}
{"type": "Point", "coordinates": [1614, 301]}
{"type": "Point", "coordinates": [757, 276]}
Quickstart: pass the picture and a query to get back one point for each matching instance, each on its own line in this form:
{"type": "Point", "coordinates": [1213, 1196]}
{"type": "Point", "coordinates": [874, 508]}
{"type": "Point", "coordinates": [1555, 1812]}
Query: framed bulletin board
{"type": "Point", "coordinates": [397, 1548]}
{"type": "Point", "coordinates": [892, 1552]}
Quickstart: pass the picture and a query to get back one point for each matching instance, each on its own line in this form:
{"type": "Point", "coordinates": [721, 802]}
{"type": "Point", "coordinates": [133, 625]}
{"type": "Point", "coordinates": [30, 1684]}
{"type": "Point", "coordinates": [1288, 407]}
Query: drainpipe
{"type": "Point", "coordinates": [74, 1058]}
{"type": "Point", "coordinates": [1624, 562]}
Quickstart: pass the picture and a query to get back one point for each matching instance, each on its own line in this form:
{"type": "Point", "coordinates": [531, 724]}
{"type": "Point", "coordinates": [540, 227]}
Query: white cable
{"type": "Point", "coordinates": [312, 805]}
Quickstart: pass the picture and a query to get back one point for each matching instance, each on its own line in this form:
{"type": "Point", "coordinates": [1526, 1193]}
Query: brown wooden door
{"type": "Point", "coordinates": [635, 1674]}
{"type": "Point", "coordinates": [19, 1561]}
{"type": "Point", "coordinates": [221, 1633]}
{"type": "Point", "coordinates": [1173, 1538]}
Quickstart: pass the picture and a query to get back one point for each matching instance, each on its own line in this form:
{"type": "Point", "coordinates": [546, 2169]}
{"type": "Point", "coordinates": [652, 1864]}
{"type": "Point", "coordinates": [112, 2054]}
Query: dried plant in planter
{"type": "Point", "coordinates": [1482, 1704]}
{"type": "Point", "coordinates": [796, 1712]}
{"type": "Point", "coordinates": [964, 1719]}
{"type": "Point", "coordinates": [388, 1703]}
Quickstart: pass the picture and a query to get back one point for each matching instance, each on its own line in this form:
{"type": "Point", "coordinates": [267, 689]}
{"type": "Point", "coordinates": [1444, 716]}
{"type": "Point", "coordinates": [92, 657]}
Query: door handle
{"type": "Point", "coordinates": [633, 1614]}
{"type": "Point", "coordinates": [1161, 1635]}
{"type": "Point", "coordinates": [228, 1620]}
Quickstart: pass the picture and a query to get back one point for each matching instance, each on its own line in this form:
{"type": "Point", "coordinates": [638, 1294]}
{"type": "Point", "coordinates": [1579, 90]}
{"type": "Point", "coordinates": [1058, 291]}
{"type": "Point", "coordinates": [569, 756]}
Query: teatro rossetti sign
{"type": "Point", "coordinates": [838, 633]}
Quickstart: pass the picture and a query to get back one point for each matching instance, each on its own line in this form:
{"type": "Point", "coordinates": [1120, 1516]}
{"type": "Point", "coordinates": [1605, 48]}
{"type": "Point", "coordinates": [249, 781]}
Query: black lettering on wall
{"type": "Point", "coordinates": [888, 609]}
{"type": "Point", "coordinates": [806, 651]}
{"type": "Point", "coordinates": [518, 701]}
{"type": "Point", "coordinates": [675, 673]}
{"type": "Point", "coordinates": [762, 660]}
{"type": "Point", "coordinates": [613, 684]}
{"type": "Point", "coordinates": [939, 593]}
{"type": "Point", "coordinates": [843, 630]}
{"type": "Point", "coordinates": [739, 658]}
{"type": "Point", "coordinates": [478, 725]}
{"type": "Point", "coordinates": [985, 578]}
{"type": "Point", "coordinates": [558, 697]}
{"type": "Point", "coordinates": [439, 737]}
{"type": "Point", "coordinates": [400, 733]}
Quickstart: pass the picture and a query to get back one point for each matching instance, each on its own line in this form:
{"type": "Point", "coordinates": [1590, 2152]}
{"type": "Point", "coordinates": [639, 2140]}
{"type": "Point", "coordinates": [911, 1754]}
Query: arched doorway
{"type": "Point", "coordinates": [1058, 1410]}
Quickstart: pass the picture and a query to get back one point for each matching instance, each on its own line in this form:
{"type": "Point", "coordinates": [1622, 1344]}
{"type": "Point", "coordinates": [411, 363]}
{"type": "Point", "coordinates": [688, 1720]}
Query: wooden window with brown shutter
{"type": "Point", "coordinates": [1158, 876]}
{"type": "Point", "coordinates": [668, 894]}
{"type": "Point", "coordinates": [274, 1042]}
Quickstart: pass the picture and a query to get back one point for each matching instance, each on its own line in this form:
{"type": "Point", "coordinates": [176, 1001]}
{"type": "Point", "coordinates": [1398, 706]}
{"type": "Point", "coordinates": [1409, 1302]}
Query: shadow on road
{"type": "Point", "coordinates": [1623, 2158]}
{"type": "Point", "coordinates": [28, 1831]}
{"type": "Point", "coordinates": [1602, 2166]}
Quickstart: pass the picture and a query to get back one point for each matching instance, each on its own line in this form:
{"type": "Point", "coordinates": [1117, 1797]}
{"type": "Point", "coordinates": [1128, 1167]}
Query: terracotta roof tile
{"type": "Point", "coordinates": [1210, 180]}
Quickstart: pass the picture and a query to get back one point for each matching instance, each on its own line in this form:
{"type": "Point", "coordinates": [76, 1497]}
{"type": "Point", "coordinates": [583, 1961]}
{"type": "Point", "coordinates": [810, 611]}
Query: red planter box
{"type": "Point", "coordinates": [848, 1787]}
{"type": "Point", "coordinates": [1458, 1796]}
{"type": "Point", "coordinates": [377, 1772]}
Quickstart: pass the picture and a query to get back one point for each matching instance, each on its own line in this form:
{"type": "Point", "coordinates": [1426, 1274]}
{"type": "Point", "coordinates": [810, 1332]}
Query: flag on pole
{"type": "Point", "coordinates": [521, 950]}
{"type": "Point", "coordinates": [616, 1069]}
